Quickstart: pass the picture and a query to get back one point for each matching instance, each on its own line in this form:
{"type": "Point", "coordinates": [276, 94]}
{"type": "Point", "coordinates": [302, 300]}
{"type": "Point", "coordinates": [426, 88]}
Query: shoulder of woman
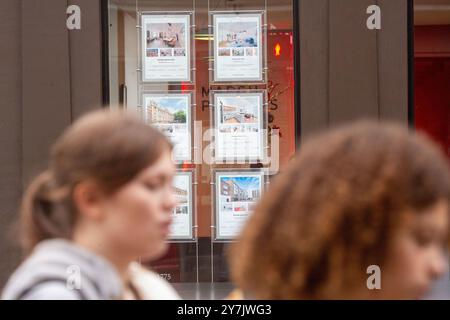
{"type": "Point", "coordinates": [55, 266]}
{"type": "Point", "coordinates": [51, 291]}
{"type": "Point", "coordinates": [150, 285]}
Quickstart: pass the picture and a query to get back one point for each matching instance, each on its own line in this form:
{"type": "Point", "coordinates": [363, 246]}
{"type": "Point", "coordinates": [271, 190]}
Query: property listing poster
{"type": "Point", "coordinates": [239, 127]}
{"type": "Point", "coordinates": [170, 113]}
{"type": "Point", "coordinates": [181, 227]}
{"type": "Point", "coordinates": [237, 195]}
{"type": "Point", "coordinates": [238, 47]}
{"type": "Point", "coordinates": [166, 47]}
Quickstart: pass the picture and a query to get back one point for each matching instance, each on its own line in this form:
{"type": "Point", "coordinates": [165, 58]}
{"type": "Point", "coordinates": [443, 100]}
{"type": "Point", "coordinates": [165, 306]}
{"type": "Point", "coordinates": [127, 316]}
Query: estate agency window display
{"type": "Point", "coordinates": [238, 118]}
{"type": "Point", "coordinates": [182, 63]}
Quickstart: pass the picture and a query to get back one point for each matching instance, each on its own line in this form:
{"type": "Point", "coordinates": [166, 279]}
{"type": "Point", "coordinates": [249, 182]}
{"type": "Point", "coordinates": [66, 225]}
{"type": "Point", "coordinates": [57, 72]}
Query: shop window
{"type": "Point", "coordinates": [217, 77]}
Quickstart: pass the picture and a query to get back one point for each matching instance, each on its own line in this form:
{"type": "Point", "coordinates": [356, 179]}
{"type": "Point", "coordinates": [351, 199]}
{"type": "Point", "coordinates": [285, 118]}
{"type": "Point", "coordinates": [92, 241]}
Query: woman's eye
{"type": "Point", "coordinates": [423, 239]}
{"type": "Point", "coordinates": [152, 186]}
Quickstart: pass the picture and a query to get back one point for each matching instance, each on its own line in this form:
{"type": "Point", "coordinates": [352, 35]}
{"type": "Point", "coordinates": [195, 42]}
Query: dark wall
{"type": "Point", "coordinates": [48, 77]}
{"type": "Point", "coordinates": [348, 71]}
{"type": "Point", "coordinates": [10, 130]}
{"type": "Point", "coordinates": [61, 73]}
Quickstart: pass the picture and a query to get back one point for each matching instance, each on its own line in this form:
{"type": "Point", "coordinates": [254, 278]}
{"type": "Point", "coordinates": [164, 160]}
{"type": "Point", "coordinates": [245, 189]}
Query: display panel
{"type": "Point", "coordinates": [238, 47]}
{"type": "Point", "coordinates": [171, 114]}
{"type": "Point", "coordinates": [202, 259]}
{"type": "Point", "coordinates": [236, 194]}
{"type": "Point", "coordinates": [166, 49]}
{"type": "Point", "coordinates": [182, 215]}
{"type": "Point", "coordinates": [239, 121]}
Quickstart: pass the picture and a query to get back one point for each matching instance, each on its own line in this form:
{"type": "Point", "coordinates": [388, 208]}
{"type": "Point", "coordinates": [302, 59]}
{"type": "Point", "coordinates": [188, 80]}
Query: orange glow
{"type": "Point", "coordinates": [277, 50]}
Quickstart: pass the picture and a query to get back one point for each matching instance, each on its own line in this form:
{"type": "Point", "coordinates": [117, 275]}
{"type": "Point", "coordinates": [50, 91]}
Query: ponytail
{"type": "Point", "coordinates": [45, 212]}
{"type": "Point", "coordinates": [109, 147]}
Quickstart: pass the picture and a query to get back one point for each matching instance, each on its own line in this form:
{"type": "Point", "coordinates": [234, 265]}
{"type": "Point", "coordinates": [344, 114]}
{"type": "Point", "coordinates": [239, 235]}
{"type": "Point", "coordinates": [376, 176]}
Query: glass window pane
{"type": "Point", "coordinates": [134, 47]}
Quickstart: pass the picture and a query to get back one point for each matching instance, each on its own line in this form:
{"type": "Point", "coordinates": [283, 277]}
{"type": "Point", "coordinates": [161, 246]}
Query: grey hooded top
{"type": "Point", "coordinates": [60, 270]}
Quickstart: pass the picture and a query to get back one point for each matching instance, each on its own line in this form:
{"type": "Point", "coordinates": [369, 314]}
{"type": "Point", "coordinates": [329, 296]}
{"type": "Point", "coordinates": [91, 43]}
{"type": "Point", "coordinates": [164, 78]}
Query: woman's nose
{"type": "Point", "coordinates": [439, 264]}
{"type": "Point", "coordinates": [170, 200]}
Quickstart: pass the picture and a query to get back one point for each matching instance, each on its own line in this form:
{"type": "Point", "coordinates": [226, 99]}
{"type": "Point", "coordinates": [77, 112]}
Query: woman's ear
{"type": "Point", "coordinates": [88, 198]}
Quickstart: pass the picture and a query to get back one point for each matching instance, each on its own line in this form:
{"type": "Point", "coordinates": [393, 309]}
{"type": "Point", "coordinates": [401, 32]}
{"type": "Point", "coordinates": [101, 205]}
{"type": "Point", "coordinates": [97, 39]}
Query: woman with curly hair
{"type": "Point", "coordinates": [362, 195]}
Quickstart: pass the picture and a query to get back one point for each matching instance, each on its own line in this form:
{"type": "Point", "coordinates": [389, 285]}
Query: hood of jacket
{"type": "Point", "coordinates": [80, 271]}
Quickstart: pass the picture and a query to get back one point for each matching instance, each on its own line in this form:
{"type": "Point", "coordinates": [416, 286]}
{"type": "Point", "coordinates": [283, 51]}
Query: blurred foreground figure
{"type": "Point", "coordinates": [357, 198]}
{"type": "Point", "coordinates": [104, 201]}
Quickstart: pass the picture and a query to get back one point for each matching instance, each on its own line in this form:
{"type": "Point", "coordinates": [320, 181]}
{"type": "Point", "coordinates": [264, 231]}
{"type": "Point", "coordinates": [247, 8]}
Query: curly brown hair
{"type": "Point", "coordinates": [334, 210]}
